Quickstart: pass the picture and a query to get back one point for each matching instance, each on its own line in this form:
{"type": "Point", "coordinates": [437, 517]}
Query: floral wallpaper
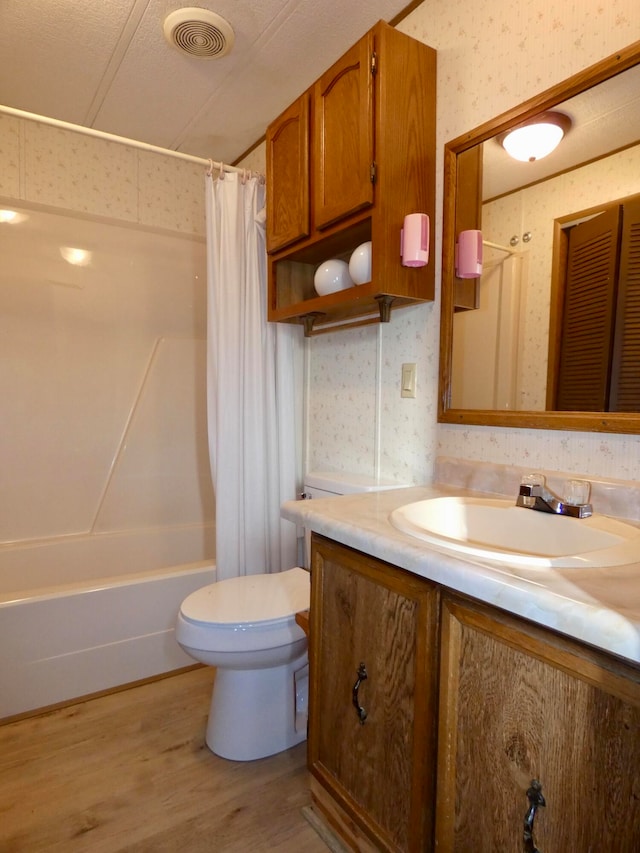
{"type": "Point", "coordinates": [62, 169]}
{"type": "Point", "coordinates": [344, 401]}
{"type": "Point", "coordinates": [492, 55]}
{"type": "Point", "coordinates": [170, 193]}
{"type": "Point", "coordinates": [256, 159]}
{"type": "Point", "coordinates": [10, 156]}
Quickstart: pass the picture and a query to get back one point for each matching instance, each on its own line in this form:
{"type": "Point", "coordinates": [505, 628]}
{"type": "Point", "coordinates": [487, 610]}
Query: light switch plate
{"type": "Point", "coordinates": [408, 381]}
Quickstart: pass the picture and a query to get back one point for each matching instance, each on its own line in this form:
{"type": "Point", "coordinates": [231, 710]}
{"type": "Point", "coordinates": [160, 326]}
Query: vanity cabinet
{"type": "Point", "coordinates": [519, 703]}
{"type": "Point", "coordinates": [440, 723]}
{"type": "Point", "coordinates": [372, 701]}
{"type": "Point", "coordinates": [345, 163]}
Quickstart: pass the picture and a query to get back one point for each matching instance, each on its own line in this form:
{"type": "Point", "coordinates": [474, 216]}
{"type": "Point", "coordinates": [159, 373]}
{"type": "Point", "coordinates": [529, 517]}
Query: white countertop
{"type": "Point", "coordinates": [598, 606]}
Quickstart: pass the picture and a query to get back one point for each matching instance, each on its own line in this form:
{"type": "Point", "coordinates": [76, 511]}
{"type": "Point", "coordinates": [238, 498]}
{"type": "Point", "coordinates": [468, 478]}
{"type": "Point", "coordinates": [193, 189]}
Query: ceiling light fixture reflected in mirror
{"type": "Point", "coordinates": [12, 217]}
{"type": "Point", "coordinates": [77, 257]}
{"type": "Point", "coordinates": [536, 138]}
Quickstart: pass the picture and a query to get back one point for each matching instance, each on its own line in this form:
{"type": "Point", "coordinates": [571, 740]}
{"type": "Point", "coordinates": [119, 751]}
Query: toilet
{"type": "Point", "coordinates": [246, 628]}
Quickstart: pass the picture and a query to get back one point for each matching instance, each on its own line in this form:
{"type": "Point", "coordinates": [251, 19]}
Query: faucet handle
{"type": "Point", "coordinates": [576, 492]}
{"type": "Point", "coordinates": [532, 479]}
{"type": "Point", "coordinates": [526, 494]}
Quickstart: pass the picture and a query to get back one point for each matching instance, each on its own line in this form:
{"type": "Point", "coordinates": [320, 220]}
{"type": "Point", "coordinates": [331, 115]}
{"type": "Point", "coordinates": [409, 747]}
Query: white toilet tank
{"type": "Point", "coordinates": [320, 484]}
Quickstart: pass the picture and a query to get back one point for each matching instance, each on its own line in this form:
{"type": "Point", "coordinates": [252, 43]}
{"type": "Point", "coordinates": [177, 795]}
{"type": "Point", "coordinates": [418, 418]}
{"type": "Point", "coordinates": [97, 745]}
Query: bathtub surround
{"type": "Point", "coordinates": [103, 378]}
{"type": "Point", "coordinates": [106, 495]}
{"type": "Point", "coordinates": [252, 429]}
{"type": "Point", "coordinates": [103, 437]}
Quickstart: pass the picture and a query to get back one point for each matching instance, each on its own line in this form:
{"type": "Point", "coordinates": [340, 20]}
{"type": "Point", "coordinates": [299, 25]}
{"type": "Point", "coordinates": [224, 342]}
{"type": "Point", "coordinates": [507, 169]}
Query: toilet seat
{"type": "Point", "coordinates": [249, 599]}
{"type": "Point", "coordinates": [248, 613]}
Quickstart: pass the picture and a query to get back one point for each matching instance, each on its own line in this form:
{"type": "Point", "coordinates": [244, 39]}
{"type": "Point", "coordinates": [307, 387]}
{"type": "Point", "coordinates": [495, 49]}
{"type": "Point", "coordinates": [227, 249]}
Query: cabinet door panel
{"type": "Point", "coordinates": [515, 708]}
{"type": "Point", "coordinates": [343, 136]}
{"type": "Point", "coordinates": [288, 176]}
{"type": "Point", "coordinates": [375, 769]}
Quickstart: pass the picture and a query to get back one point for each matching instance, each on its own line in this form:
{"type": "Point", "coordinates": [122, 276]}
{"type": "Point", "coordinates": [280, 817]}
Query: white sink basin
{"type": "Point", "coordinates": [498, 530]}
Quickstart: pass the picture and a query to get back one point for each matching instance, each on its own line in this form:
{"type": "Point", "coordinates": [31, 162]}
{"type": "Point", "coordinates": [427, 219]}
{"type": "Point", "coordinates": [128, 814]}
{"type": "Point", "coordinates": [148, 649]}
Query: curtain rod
{"type": "Point", "coordinates": [506, 249]}
{"type": "Point", "coordinates": [122, 140]}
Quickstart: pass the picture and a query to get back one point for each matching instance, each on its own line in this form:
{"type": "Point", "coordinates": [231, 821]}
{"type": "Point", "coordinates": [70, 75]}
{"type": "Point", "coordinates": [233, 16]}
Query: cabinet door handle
{"type": "Point", "coordinates": [534, 795]}
{"type": "Point", "coordinates": [362, 675]}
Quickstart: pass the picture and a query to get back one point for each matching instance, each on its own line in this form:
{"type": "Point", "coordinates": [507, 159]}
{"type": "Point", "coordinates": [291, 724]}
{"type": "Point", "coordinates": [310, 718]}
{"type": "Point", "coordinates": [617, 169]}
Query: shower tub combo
{"type": "Point", "coordinates": [107, 621]}
{"type": "Point", "coordinates": [106, 501]}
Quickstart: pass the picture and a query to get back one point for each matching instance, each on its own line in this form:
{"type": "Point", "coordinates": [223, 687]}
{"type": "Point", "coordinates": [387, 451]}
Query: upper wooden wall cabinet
{"type": "Point", "coordinates": [346, 162]}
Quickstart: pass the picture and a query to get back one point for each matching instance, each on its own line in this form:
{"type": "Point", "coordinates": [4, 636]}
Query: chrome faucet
{"type": "Point", "coordinates": [535, 495]}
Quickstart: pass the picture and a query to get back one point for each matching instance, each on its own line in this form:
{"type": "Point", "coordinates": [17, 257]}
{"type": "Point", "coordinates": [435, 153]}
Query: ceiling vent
{"type": "Point", "coordinates": [199, 32]}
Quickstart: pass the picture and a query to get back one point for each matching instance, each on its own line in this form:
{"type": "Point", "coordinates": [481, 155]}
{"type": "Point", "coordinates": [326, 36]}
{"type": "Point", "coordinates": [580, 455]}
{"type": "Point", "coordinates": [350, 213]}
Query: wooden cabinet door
{"type": "Point", "coordinates": [288, 217]}
{"type": "Point", "coordinates": [518, 704]}
{"type": "Point", "coordinates": [381, 771]}
{"type": "Point", "coordinates": [343, 152]}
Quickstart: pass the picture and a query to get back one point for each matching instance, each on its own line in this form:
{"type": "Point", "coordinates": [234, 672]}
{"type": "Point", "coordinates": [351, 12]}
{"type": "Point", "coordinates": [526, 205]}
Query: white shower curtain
{"type": "Point", "coordinates": [254, 441]}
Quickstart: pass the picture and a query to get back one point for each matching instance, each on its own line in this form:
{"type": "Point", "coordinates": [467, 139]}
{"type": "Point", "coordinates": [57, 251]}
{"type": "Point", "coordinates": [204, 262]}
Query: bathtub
{"type": "Point", "coordinates": [82, 614]}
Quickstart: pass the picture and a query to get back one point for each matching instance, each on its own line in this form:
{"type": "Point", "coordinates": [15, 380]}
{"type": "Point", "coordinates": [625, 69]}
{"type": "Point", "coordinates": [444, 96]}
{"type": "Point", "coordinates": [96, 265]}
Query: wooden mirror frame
{"type": "Point", "coordinates": [583, 421]}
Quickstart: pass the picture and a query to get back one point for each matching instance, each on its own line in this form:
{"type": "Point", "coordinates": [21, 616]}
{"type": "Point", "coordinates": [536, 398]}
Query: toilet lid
{"type": "Point", "coordinates": [249, 599]}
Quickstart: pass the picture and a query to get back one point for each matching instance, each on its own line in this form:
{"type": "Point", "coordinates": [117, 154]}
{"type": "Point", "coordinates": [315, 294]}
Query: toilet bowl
{"type": "Point", "coordinates": [246, 628]}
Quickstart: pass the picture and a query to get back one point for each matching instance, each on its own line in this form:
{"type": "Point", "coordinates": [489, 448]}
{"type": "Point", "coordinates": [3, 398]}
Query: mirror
{"type": "Point", "coordinates": [525, 212]}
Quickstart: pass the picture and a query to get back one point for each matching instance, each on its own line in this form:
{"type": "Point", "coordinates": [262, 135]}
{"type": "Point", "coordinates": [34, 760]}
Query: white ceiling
{"type": "Point", "coordinates": [105, 64]}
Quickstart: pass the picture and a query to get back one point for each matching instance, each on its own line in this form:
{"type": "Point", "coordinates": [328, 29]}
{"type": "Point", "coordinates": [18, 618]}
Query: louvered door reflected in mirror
{"type": "Point", "coordinates": [594, 362]}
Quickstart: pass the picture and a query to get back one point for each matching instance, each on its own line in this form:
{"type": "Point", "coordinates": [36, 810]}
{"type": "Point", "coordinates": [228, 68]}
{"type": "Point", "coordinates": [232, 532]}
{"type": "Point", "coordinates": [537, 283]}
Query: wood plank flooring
{"type": "Point", "coordinates": [130, 773]}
